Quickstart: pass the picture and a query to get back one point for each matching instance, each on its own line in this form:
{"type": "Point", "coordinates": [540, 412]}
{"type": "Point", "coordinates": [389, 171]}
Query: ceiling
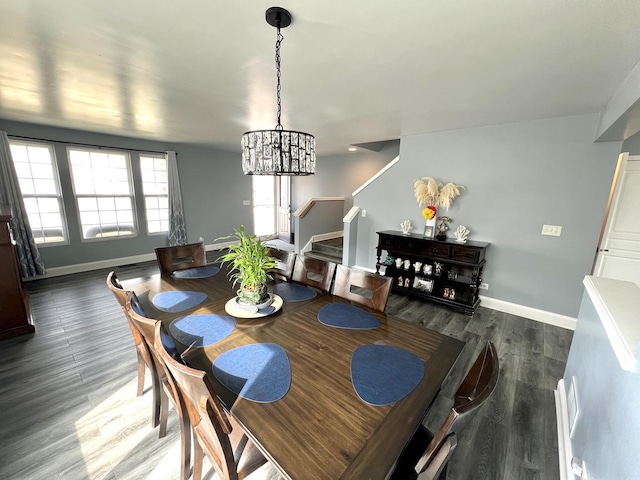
{"type": "Point", "coordinates": [353, 72]}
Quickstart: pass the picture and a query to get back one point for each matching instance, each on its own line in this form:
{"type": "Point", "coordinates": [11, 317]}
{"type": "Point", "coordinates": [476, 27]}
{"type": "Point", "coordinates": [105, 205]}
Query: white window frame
{"type": "Point", "coordinates": [104, 196]}
{"type": "Point", "coordinates": [148, 196]}
{"type": "Point", "coordinates": [34, 222]}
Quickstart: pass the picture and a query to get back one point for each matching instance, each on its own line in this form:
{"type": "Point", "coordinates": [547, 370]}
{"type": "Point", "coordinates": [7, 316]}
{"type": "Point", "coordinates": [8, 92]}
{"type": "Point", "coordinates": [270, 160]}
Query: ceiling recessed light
{"type": "Point", "coordinates": [352, 149]}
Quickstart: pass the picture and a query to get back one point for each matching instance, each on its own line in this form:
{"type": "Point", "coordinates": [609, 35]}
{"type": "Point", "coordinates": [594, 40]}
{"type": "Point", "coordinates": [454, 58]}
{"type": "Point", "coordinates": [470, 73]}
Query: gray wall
{"type": "Point", "coordinates": [632, 145]}
{"type": "Point", "coordinates": [606, 432]}
{"type": "Point", "coordinates": [340, 175]}
{"type": "Point", "coordinates": [212, 182]}
{"type": "Point", "coordinates": [518, 177]}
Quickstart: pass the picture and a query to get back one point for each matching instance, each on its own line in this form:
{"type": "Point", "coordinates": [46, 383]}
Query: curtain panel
{"type": "Point", "coordinates": [177, 227]}
{"type": "Point", "coordinates": [31, 265]}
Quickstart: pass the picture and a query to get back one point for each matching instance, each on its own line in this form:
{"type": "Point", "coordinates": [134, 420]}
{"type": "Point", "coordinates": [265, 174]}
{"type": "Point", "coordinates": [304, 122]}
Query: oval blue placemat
{"type": "Point", "coordinates": [197, 272]}
{"type": "Point", "coordinates": [344, 315]}
{"type": "Point", "coordinates": [200, 330]}
{"type": "Point", "coordinates": [260, 372]}
{"type": "Point", "coordinates": [177, 300]}
{"type": "Point", "coordinates": [293, 292]}
{"type": "Point", "coordinates": [382, 374]}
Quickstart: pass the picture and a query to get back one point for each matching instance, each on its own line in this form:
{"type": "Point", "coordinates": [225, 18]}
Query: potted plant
{"type": "Point", "coordinates": [250, 266]}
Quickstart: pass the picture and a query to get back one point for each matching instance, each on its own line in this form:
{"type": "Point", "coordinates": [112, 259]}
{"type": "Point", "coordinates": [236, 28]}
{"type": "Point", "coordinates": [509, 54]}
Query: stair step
{"type": "Point", "coordinates": [331, 247]}
{"type": "Point", "coordinates": [323, 256]}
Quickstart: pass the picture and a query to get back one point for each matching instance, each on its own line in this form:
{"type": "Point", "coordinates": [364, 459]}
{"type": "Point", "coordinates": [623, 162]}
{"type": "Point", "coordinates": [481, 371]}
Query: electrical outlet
{"type": "Point", "coordinates": [364, 213]}
{"type": "Point", "coordinates": [553, 230]}
{"type": "Point", "coordinates": [246, 202]}
{"type": "Point", "coordinates": [484, 286]}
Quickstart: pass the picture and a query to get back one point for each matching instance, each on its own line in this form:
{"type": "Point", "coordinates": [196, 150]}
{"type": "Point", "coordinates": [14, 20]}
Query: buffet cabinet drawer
{"type": "Point", "coordinates": [462, 254]}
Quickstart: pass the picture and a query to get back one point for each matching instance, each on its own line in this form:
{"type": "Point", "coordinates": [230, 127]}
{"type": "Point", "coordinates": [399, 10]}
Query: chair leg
{"type": "Point", "coordinates": [157, 393]}
{"type": "Point", "coordinates": [185, 444]}
{"type": "Point", "coordinates": [198, 458]}
{"type": "Point", "coordinates": [164, 413]}
{"type": "Point", "coordinates": [141, 367]}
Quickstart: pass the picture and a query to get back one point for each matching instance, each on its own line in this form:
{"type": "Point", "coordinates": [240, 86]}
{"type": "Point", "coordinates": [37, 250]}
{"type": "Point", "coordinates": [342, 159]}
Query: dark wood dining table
{"type": "Point", "coordinates": [321, 428]}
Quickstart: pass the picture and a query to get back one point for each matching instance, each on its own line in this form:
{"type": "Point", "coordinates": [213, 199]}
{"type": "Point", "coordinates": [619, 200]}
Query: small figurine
{"type": "Point", "coordinates": [442, 228]}
{"type": "Point", "coordinates": [438, 266]}
{"type": "Point", "coordinates": [398, 262]}
{"type": "Point", "coordinates": [407, 264]}
{"type": "Point", "coordinates": [406, 282]}
{"type": "Point", "coordinates": [400, 282]}
{"type": "Point", "coordinates": [417, 266]}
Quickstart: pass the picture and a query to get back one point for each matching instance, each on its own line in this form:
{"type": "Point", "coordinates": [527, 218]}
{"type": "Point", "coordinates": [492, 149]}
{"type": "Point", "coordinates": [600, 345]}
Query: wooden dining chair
{"type": "Point", "coordinates": [285, 260]}
{"type": "Point", "coordinates": [169, 390]}
{"type": "Point", "coordinates": [142, 351]}
{"type": "Point", "coordinates": [313, 272]}
{"type": "Point", "coordinates": [426, 454]}
{"type": "Point", "coordinates": [233, 455]}
{"type": "Point", "coordinates": [180, 257]}
{"type": "Point", "coordinates": [363, 288]}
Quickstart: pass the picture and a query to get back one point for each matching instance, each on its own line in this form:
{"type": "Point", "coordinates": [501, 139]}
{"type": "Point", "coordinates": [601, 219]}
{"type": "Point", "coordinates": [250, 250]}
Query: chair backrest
{"type": "Point", "coordinates": [475, 389]}
{"type": "Point", "coordinates": [362, 287]}
{"type": "Point", "coordinates": [122, 295]}
{"type": "Point", "coordinates": [285, 261]}
{"type": "Point", "coordinates": [180, 257]}
{"type": "Point", "coordinates": [313, 272]}
{"type": "Point", "coordinates": [211, 426]}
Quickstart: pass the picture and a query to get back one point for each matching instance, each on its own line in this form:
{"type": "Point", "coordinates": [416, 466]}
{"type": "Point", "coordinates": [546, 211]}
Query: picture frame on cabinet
{"type": "Point", "coordinates": [423, 284]}
{"type": "Point", "coordinates": [429, 231]}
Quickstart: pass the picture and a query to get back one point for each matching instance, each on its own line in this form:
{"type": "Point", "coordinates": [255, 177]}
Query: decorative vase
{"type": "Point", "coordinates": [253, 298]}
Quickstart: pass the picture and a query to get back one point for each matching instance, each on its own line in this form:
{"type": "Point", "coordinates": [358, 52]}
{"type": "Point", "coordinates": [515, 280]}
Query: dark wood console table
{"type": "Point", "coordinates": [15, 315]}
{"type": "Point", "coordinates": [446, 271]}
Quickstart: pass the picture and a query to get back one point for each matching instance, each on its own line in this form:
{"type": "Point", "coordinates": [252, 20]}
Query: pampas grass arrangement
{"type": "Point", "coordinates": [430, 192]}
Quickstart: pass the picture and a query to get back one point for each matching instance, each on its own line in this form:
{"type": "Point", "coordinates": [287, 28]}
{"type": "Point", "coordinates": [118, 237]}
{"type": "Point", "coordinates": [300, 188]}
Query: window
{"type": "Point", "coordinates": [104, 193]}
{"type": "Point", "coordinates": [155, 187]}
{"type": "Point", "coordinates": [264, 209]}
{"type": "Point", "coordinates": [38, 177]}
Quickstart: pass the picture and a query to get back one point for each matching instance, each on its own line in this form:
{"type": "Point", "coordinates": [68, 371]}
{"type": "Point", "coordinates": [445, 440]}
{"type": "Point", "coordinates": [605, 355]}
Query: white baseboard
{"type": "Point", "coordinates": [543, 316]}
{"type": "Point", "coordinates": [564, 442]}
{"type": "Point", "coordinates": [112, 262]}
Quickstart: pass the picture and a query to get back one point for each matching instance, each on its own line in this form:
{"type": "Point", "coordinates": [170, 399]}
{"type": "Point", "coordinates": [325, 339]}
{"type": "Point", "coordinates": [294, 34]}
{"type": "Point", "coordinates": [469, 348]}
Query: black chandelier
{"type": "Point", "coordinates": [278, 151]}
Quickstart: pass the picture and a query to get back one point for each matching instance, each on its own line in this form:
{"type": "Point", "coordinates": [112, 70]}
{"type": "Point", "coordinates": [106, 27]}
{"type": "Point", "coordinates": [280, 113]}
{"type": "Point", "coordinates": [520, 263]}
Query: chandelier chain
{"type": "Point", "coordinates": [279, 39]}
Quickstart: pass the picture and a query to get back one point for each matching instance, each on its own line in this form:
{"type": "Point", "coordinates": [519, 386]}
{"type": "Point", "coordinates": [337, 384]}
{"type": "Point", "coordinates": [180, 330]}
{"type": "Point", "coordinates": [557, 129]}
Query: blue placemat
{"type": "Point", "coordinates": [201, 330]}
{"type": "Point", "coordinates": [382, 374]}
{"type": "Point", "coordinates": [293, 292]}
{"type": "Point", "coordinates": [260, 372]}
{"type": "Point", "coordinates": [344, 315]}
{"type": "Point", "coordinates": [177, 300]}
{"type": "Point", "coordinates": [197, 272]}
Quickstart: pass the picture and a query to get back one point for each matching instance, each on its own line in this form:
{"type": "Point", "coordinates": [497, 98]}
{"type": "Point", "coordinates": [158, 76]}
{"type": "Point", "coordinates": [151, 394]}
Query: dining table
{"type": "Point", "coordinates": [354, 395]}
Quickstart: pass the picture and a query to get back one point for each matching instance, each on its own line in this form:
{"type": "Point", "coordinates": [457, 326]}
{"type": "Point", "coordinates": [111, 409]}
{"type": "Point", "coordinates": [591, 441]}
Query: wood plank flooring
{"type": "Point", "coordinates": [69, 410]}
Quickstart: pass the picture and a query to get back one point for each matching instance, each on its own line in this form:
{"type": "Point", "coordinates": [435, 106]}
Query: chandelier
{"type": "Point", "coordinates": [278, 151]}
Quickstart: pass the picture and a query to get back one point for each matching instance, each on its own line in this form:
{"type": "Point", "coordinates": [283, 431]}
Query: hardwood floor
{"type": "Point", "coordinates": [67, 393]}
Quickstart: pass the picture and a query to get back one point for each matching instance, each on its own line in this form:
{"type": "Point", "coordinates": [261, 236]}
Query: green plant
{"type": "Point", "coordinates": [249, 259]}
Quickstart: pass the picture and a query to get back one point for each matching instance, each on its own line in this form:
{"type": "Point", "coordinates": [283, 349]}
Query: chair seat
{"type": "Point", "coordinates": [405, 468]}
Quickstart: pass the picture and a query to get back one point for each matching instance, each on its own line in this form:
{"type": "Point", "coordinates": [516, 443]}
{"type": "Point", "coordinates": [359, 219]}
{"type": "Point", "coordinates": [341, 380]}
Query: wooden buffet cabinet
{"type": "Point", "coordinates": [15, 315]}
{"type": "Point", "coordinates": [445, 271]}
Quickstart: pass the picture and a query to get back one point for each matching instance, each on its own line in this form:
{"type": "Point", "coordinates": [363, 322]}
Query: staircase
{"type": "Point", "coordinates": [329, 250]}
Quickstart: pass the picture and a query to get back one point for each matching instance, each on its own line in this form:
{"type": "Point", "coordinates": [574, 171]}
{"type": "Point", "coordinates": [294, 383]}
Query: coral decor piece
{"type": "Point", "coordinates": [406, 227]}
{"type": "Point", "coordinates": [461, 234]}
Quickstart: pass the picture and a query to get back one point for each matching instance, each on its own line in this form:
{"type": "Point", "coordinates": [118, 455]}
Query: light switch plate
{"type": "Point", "coordinates": [553, 230]}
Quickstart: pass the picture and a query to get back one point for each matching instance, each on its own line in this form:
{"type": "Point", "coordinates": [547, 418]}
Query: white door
{"type": "Point", "coordinates": [284, 208]}
{"type": "Point", "coordinates": [618, 254]}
